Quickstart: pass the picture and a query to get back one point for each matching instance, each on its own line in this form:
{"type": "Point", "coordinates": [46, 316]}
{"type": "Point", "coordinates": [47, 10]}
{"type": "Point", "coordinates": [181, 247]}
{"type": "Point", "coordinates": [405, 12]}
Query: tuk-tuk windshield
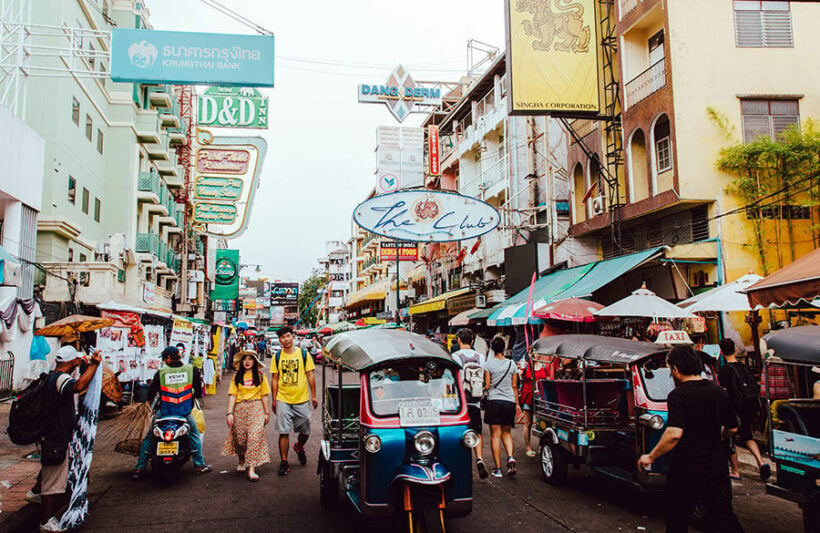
{"type": "Point", "coordinates": [659, 382]}
{"type": "Point", "coordinates": [404, 381]}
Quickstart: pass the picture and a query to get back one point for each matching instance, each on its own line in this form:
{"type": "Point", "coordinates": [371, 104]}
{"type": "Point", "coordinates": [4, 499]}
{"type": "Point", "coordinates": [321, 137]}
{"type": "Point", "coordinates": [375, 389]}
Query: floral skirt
{"type": "Point", "coordinates": [247, 437]}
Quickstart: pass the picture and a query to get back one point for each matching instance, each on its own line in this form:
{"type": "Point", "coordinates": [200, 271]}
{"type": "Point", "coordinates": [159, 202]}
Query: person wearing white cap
{"type": "Point", "coordinates": [54, 455]}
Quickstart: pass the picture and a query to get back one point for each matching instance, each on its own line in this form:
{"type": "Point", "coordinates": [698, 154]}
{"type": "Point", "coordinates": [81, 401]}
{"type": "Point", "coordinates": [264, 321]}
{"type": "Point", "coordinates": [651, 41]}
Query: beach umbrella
{"type": "Point", "coordinates": [725, 298]}
{"type": "Point", "coordinates": [71, 325]}
{"type": "Point", "coordinates": [644, 303]}
{"type": "Point", "coordinates": [570, 310]}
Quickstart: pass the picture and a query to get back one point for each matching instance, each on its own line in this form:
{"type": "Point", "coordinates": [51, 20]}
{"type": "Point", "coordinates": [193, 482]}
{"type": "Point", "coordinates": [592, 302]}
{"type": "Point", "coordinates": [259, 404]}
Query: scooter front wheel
{"type": "Point", "coordinates": [426, 519]}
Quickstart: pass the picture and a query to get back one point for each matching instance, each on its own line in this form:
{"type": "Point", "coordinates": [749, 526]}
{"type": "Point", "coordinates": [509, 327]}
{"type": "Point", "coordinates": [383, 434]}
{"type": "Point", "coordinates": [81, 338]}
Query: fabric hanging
{"type": "Point", "coordinates": [25, 319]}
{"type": "Point", "coordinates": [208, 371]}
{"type": "Point", "coordinates": [9, 314]}
{"type": "Point", "coordinates": [28, 304]}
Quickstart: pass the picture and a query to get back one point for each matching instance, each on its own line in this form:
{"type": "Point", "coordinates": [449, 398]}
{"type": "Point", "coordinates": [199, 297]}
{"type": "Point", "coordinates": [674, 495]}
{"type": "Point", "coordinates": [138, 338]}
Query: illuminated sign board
{"type": "Point", "coordinates": [232, 107]}
{"type": "Point", "coordinates": [284, 293]}
{"type": "Point", "coordinates": [213, 188]}
{"type": "Point", "coordinates": [151, 56]}
{"type": "Point", "coordinates": [400, 93]}
{"type": "Point", "coordinates": [433, 155]}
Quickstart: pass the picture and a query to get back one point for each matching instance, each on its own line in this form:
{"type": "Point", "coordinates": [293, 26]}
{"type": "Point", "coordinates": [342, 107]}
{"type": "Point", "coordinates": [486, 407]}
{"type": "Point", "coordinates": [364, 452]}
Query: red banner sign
{"type": "Point", "coordinates": [433, 155]}
{"type": "Point", "coordinates": [408, 251]}
{"type": "Point", "coordinates": [124, 319]}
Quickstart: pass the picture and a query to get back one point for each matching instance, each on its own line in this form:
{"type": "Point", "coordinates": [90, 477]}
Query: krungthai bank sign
{"type": "Point", "coordinates": [400, 93]}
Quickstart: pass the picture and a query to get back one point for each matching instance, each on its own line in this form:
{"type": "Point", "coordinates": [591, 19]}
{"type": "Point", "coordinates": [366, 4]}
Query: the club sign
{"type": "Point", "coordinates": [426, 216]}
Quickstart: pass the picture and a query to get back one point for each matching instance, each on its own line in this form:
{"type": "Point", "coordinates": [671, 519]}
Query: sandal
{"type": "Point", "coordinates": [241, 468]}
{"type": "Point", "coordinates": [253, 477]}
{"type": "Point", "coordinates": [531, 453]}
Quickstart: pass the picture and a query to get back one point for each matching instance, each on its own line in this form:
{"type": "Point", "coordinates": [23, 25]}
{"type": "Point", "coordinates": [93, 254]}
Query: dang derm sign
{"type": "Point", "coordinates": [150, 56]}
{"type": "Point", "coordinates": [426, 216]}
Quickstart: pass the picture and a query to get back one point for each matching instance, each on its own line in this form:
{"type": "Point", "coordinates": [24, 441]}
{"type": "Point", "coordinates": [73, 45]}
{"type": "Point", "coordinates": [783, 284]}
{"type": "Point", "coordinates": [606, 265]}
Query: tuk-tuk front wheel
{"type": "Point", "coordinates": [554, 463]}
{"type": "Point", "coordinates": [328, 487]}
{"type": "Point", "coordinates": [426, 519]}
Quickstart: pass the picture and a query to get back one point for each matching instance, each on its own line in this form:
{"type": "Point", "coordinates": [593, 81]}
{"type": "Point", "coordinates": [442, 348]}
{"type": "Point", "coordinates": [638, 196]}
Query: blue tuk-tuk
{"type": "Point", "coordinates": [794, 423]}
{"type": "Point", "coordinates": [396, 441]}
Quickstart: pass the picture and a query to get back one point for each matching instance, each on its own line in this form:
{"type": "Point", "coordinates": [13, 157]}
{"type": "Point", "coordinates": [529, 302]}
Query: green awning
{"type": "Point", "coordinates": [482, 313]}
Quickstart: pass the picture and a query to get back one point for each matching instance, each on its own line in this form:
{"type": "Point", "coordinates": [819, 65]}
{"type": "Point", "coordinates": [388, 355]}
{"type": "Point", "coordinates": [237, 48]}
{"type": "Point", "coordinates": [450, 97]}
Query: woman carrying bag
{"type": "Point", "coordinates": [248, 413]}
{"type": "Point", "coordinates": [501, 382]}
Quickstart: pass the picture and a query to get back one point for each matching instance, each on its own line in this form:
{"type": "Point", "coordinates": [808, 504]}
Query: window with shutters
{"type": "Point", "coordinates": [663, 145]}
{"type": "Point", "coordinates": [86, 197]}
{"type": "Point", "coordinates": [767, 118]}
{"type": "Point", "coordinates": [97, 207]}
{"type": "Point", "coordinates": [763, 24]}
{"type": "Point", "coordinates": [89, 127]}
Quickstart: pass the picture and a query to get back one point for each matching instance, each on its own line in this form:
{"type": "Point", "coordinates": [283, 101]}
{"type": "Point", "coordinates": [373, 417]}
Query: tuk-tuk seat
{"type": "Point", "coordinates": [350, 400]}
{"type": "Point", "coordinates": [801, 416]}
{"type": "Point", "coordinates": [564, 399]}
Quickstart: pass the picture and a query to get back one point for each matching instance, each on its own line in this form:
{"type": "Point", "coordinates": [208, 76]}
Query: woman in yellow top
{"type": "Point", "coordinates": [248, 413]}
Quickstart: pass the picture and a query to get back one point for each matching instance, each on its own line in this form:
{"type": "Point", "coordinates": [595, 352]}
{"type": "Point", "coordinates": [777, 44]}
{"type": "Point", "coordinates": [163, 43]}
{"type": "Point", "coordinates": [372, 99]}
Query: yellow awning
{"type": "Point", "coordinates": [438, 303]}
{"type": "Point", "coordinates": [372, 293]}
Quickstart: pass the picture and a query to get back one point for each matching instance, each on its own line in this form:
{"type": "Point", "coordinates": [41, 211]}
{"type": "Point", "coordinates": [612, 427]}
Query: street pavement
{"type": "Point", "coordinates": [226, 501]}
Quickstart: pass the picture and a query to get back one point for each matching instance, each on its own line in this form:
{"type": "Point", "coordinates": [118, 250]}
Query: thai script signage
{"type": "Point", "coordinates": [400, 94]}
{"type": "Point", "coordinates": [551, 71]}
{"type": "Point", "coordinates": [284, 293]}
{"type": "Point", "coordinates": [150, 56]}
{"type": "Point", "coordinates": [407, 251]}
{"type": "Point", "coordinates": [426, 216]}
{"type": "Point", "coordinates": [233, 107]}
{"type": "Point", "coordinates": [210, 188]}
{"type": "Point", "coordinates": [225, 182]}
{"type": "Point", "coordinates": [433, 155]}
{"type": "Point", "coordinates": [226, 286]}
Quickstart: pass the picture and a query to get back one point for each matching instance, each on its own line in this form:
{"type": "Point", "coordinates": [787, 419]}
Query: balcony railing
{"type": "Point", "coordinates": [162, 252]}
{"type": "Point", "coordinates": [180, 216]}
{"type": "Point", "coordinates": [149, 182]}
{"type": "Point", "coordinates": [147, 243]}
{"type": "Point", "coordinates": [647, 82]}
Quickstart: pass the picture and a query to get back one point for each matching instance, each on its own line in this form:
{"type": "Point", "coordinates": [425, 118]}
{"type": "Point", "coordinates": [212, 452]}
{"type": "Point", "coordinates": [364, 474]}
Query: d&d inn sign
{"type": "Point", "coordinates": [426, 216]}
{"type": "Point", "coordinates": [233, 107]}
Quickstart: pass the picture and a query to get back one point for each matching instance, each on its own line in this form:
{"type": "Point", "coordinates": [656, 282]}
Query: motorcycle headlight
{"type": "Point", "coordinates": [652, 421]}
{"type": "Point", "coordinates": [425, 442]}
{"type": "Point", "coordinates": [470, 438]}
{"type": "Point", "coordinates": [372, 443]}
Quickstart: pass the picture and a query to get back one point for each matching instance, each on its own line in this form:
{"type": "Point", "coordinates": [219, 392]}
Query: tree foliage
{"type": "Point", "coordinates": [770, 175]}
{"type": "Point", "coordinates": [307, 294]}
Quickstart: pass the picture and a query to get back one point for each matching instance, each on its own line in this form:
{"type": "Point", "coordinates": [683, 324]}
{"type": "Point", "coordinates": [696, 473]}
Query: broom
{"type": "Point", "coordinates": [128, 430]}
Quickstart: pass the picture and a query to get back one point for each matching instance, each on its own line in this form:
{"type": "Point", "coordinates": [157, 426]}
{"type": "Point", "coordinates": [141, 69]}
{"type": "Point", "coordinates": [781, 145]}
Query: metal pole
{"type": "Point", "coordinates": [398, 286]}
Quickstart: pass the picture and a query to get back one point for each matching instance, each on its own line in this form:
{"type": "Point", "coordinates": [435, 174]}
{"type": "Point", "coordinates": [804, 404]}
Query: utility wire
{"type": "Point", "coordinates": [237, 17]}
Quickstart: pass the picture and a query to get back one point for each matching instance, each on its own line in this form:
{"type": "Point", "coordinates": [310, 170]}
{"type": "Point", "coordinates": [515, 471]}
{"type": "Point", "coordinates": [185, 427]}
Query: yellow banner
{"type": "Point", "coordinates": [552, 56]}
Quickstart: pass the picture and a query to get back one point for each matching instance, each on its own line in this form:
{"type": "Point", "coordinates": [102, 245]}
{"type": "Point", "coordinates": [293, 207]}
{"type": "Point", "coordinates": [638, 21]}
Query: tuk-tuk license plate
{"type": "Point", "coordinates": [418, 413]}
{"type": "Point", "coordinates": [167, 448]}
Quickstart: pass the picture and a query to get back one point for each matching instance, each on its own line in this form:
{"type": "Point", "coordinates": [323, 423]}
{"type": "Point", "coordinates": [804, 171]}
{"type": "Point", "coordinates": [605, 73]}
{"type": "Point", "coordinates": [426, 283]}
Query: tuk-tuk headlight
{"type": "Point", "coordinates": [425, 442]}
{"type": "Point", "coordinates": [470, 438]}
{"type": "Point", "coordinates": [372, 443]}
{"type": "Point", "coordinates": [651, 421]}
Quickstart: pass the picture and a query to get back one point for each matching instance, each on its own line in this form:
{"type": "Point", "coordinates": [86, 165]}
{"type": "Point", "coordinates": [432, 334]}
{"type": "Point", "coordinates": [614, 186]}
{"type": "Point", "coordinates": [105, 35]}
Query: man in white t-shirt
{"type": "Point", "coordinates": [472, 377]}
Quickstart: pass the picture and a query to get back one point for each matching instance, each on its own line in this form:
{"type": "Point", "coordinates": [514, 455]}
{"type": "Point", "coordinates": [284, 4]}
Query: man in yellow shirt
{"type": "Point", "coordinates": [291, 375]}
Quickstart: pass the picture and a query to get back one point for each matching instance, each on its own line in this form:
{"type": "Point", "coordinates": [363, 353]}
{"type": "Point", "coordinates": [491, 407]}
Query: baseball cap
{"type": "Point", "coordinates": [66, 354]}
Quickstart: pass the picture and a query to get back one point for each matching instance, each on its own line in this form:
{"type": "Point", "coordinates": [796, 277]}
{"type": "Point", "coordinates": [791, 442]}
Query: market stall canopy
{"type": "Point", "coordinates": [596, 348]}
{"type": "Point", "coordinates": [570, 309]}
{"type": "Point", "coordinates": [372, 293]}
{"type": "Point", "coordinates": [797, 345]}
{"type": "Point", "coordinates": [644, 303]}
{"type": "Point", "coordinates": [359, 350]}
{"type": "Point", "coordinates": [726, 298]}
{"type": "Point", "coordinates": [74, 324]}
{"type": "Point", "coordinates": [438, 303]}
{"type": "Point", "coordinates": [576, 282]}
{"type": "Point", "coordinates": [796, 283]}
{"type": "Point", "coordinates": [463, 318]}
{"type": "Point", "coordinates": [111, 305]}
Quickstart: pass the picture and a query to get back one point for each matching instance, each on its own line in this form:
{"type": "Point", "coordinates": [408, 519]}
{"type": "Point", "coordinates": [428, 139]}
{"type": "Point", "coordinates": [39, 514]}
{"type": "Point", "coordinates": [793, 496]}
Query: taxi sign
{"type": "Point", "coordinates": [673, 337]}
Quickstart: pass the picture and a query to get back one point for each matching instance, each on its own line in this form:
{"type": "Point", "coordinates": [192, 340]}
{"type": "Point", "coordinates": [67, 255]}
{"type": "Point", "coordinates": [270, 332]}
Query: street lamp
{"type": "Point", "coordinates": [258, 267]}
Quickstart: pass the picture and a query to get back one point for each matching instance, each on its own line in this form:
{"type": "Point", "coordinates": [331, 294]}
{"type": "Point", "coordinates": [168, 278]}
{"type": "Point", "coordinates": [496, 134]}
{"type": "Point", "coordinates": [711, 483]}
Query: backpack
{"type": "Point", "coordinates": [472, 376]}
{"type": "Point", "coordinates": [30, 412]}
{"type": "Point", "coordinates": [745, 388]}
{"type": "Point", "coordinates": [279, 353]}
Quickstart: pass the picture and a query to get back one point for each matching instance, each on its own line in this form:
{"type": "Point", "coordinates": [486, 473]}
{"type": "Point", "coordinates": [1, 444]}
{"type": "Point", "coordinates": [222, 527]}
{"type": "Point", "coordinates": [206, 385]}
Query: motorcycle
{"type": "Point", "coordinates": [171, 446]}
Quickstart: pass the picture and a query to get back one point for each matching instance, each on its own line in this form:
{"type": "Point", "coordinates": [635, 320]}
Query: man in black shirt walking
{"type": "Point", "coordinates": [700, 420]}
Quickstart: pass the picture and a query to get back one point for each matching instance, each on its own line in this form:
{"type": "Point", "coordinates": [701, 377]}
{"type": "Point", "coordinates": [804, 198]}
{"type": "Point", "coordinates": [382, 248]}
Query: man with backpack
{"type": "Point", "coordinates": [472, 378]}
{"type": "Point", "coordinates": [742, 387]}
{"type": "Point", "coordinates": [59, 404]}
{"type": "Point", "coordinates": [291, 375]}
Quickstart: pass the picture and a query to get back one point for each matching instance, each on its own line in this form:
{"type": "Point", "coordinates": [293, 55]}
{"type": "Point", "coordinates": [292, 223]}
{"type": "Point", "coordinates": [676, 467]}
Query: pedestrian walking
{"type": "Point", "coordinates": [744, 395]}
{"type": "Point", "coordinates": [534, 371]}
{"type": "Point", "coordinates": [501, 384]}
{"type": "Point", "coordinates": [54, 445]}
{"type": "Point", "coordinates": [291, 378]}
{"type": "Point", "coordinates": [699, 422]}
{"type": "Point", "coordinates": [248, 414]}
{"type": "Point", "coordinates": [472, 376]}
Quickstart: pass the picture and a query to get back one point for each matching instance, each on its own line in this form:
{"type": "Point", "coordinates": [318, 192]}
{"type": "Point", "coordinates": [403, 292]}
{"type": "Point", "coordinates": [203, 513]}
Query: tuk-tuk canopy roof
{"type": "Point", "coordinates": [796, 345]}
{"type": "Point", "coordinates": [596, 348]}
{"type": "Point", "coordinates": [359, 350]}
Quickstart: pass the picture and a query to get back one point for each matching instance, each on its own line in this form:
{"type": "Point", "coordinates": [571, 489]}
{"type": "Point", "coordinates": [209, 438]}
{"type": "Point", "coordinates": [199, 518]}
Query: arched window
{"type": "Point", "coordinates": [640, 186]}
{"type": "Point", "coordinates": [662, 177]}
{"type": "Point", "coordinates": [579, 188]}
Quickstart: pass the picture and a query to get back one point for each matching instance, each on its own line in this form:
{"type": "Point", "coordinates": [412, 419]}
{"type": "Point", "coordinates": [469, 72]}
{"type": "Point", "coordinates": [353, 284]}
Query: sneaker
{"type": "Point", "coordinates": [497, 472]}
{"type": "Point", "coordinates": [52, 525]}
{"type": "Point", "coordinates": [284, 468]}
{"type": "Point", "coordinates": [512, 468]}
{"type": "Point", "coordinates": [300, 452]}
{"type": "Point", "coordinates": [765, 471]}
{"type": "Point", "coordinates": [138, 473]}
{"type": "Point", "coordinates": [33, 497]}
{"type": "Point", "coordinates": [482, 469]}
{"type": "Point", "coordinates": [204, 469]}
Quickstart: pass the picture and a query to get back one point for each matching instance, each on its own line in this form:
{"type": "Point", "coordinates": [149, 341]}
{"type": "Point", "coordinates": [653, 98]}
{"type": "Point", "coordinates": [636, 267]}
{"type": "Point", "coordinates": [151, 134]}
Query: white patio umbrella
{"type": "Point", "coordinates": [644, 303]}
{"type": "Point", "coordinates": [726, 298]}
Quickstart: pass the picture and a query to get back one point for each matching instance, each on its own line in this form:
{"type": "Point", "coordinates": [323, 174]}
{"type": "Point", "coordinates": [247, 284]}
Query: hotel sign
{"type": "Point", "coordinates": [233, 107]}
{"type": "Point", "coordinates": [215, 188]}
{"type": "Point", "coordinates": [426, 216]}
{"type": "Point", "coordinates": [400, 93]}
{"type": "Point", "coordinates": [190, 58]}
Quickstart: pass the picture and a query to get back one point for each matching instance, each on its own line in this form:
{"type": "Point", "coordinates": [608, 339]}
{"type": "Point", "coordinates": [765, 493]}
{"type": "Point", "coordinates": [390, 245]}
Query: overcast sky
{"type": "Point", "coordinates": [321, 141]}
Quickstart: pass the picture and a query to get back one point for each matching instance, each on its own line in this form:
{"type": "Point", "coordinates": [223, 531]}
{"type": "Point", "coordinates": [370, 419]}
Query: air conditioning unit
{"type": "Point", "coordinates": [598, 205]}
{"type": "Point", "coordinates": [480, 301]}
